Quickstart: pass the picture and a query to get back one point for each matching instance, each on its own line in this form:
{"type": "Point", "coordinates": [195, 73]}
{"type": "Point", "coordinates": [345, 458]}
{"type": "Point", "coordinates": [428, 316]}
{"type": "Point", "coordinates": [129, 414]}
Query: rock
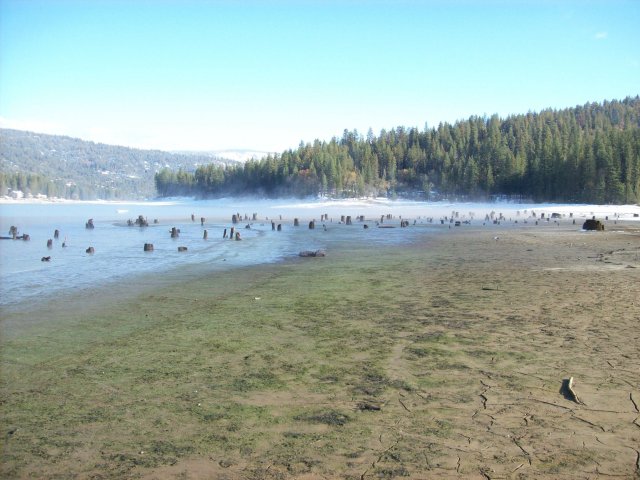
{"type": "Point", "coordinates": [148, 247]}
{"type": "Point", "coordinates": [182, 249]}
{"type": "Point", "coordinates": [593, 224]}
{"type": "Point", "coordinates": [90, 250]}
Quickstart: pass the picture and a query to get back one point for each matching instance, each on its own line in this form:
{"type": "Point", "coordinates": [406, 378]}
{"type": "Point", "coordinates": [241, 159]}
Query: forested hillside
{"type": "Point", "coordinates": [589, 153]}
{"type": "Point", "coordinates": [59, 166]}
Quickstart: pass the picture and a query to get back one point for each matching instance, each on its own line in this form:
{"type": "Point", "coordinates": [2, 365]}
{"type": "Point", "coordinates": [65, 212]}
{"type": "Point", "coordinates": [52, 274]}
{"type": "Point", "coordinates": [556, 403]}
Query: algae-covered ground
{"type": "Point", "coordinates": [440, 359]}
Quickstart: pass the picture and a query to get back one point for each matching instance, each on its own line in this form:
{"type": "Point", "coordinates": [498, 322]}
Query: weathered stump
{"type": "Point", "coordinates": [569, 392]}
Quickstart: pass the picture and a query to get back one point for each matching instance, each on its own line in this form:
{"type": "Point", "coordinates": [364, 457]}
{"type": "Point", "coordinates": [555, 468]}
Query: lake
{"type": "Point", "coordinates": [119, 257]}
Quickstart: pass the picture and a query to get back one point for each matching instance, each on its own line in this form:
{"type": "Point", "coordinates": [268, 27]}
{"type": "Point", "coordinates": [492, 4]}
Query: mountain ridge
{"type": "Point", "coordinates": [68, 167]}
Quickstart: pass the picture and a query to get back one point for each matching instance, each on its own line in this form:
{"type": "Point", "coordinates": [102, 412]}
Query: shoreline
{"type": "Point", "coordinates": [126, 289]}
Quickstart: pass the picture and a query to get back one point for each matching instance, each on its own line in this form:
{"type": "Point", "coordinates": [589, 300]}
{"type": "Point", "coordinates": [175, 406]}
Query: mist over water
{"type": "Point", "coordinates": [119, 256]}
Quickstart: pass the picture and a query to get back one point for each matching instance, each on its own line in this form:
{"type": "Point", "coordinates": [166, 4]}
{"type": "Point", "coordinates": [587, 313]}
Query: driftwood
{"type": "Point", "coordinates": [312, 253]}
{"type": "Point", "coordinates": [368, 406]}
{"type": "Point", "coordinates": [568, 391]}
{"type": "Point", "coordinates": [19, 237]}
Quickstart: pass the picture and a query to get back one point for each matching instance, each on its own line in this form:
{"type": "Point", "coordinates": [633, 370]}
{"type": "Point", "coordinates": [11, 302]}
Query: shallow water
{"type": "Point", "coordinates": [119, 255]}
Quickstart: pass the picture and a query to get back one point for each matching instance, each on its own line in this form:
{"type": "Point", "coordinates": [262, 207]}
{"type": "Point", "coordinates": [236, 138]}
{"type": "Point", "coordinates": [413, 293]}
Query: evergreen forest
{"type": "Point", "coordinates": [586, 154]}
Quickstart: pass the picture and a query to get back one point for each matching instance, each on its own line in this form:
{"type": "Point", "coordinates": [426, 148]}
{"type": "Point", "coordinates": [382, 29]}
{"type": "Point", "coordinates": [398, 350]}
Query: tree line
{"type": "Point", "coordinates": [590, 154]}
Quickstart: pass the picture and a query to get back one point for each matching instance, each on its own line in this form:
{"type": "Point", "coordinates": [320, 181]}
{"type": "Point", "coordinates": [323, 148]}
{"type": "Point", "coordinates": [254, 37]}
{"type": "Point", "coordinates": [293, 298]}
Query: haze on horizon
{"type": "Point", "coordinates": [220, 75]}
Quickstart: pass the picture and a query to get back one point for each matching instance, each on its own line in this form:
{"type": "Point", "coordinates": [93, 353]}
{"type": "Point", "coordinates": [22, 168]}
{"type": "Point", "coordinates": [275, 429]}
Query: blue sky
{"type": "Point", "coordinates": [211, 75]}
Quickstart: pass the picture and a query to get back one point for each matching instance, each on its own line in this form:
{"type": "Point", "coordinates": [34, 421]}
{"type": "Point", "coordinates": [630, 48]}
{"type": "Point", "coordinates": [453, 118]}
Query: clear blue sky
{"type": "Point", "coordinates": [207, 75]}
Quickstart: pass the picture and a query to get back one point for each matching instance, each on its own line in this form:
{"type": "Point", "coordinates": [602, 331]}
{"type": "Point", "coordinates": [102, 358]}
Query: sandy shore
{"type": "Point", "coordinates": [439, 360]}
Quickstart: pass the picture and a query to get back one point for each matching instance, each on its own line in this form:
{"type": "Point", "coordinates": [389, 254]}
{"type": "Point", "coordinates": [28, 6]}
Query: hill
{"type": "Point", "coordinates": [587, 154]}
{"type": "Point", "coordinates": [67, 167]}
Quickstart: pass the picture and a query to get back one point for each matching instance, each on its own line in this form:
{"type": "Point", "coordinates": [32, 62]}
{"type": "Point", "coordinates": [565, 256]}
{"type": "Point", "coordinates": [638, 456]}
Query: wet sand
{"type": "Point", "coordinates": [443, 359]}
